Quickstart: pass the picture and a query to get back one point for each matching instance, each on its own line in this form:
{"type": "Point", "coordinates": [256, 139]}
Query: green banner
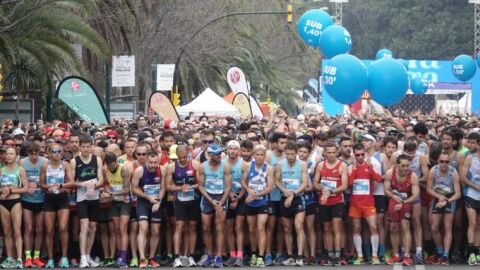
{"type": "Point", "coordinates": [83, 99]}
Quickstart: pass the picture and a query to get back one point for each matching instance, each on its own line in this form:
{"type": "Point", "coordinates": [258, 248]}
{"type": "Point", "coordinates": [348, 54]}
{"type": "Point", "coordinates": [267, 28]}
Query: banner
{"type": "Point", "coordinates": [237, 80]}
{"type": "Point", "coordinates": [123, 71]}
{"type": "Point", "coordinates": [80, 96]}
{"type": "Point", "coordinates": [161, 104]}
{"type": "Point", "coordinates": [165, 77]}
{"type": "Point", "coordinates": [256, 110]}
{"type": "Point", "coordinates": [242, 103]}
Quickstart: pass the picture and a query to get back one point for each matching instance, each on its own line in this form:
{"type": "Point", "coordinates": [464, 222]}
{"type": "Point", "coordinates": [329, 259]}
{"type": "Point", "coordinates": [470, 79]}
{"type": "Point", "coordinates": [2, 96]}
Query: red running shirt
{"type": "Point", "coordinates": [332, 179]}
{"type": "Point", "coordinates": [361, 180]}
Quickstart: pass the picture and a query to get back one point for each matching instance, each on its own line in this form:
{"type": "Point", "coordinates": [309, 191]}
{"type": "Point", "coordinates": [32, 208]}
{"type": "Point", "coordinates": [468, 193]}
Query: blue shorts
{"type": "Point", "coordinates": [207, 208]}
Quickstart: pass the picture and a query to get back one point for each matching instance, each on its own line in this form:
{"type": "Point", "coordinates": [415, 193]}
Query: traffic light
{"type": "Point", "coordinates": [176, 99]}
{"type": "Point", "coordinates": [289, 13]}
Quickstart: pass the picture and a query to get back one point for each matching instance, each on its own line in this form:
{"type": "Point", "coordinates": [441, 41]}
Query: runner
{"type": "Point", "coordinates": [214, 183]}
{"type": "Point", "coordinates": [181, 180]}
{"type": "Point", "coordinates": [117, 189]}
{"type": "Point", "coordinates": [363, 182]}
{"type": "Point", "coordinates": [444, 185]}
{"type": "Point", "coordinates": [470, 177]}
{"type": "Point", "coordinates": [278, 141]}
{"type": "Point", "coordinates": [148, 184]}
{"type": "Point", "coordinates": [331, 180]}
{"type": "Point", "coordinates": [258, 181]}
{"type": "Point", "coordinates": [55, 180]}
{"type": "Point", "coordinates": [236, 208]}
{"type": "Point", "coordinates": [32, 202]}
{"type": "Point", "coordinates": [13, 182]}
{"type": "Point", "coordinates": [87, 171]}
{"type": "Point", "coordinates": [291, 177]}
{"type": "Point", "coordinates": [401, 186]}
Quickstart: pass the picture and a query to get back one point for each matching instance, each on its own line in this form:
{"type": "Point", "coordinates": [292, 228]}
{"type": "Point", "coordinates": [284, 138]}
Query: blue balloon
{"type": "Point", "coordinates": [311, 25]}
{"type": "Point", "coordinates": [383, 53]}
{"type": "Point", "coordinates": [387, 81]}
{"type": "Point", "coordinates": [345, 78]}
{"type": "Point", "coordinates": [418, 86]}
{"type": "Point", "coordinates": [404, 63]}
{"type": "Point", "coordinates": [335, 40]}
{"type": "Point", "coordinates": [478, 60]}
{"type": "Point", "coordinates": [463, 67]}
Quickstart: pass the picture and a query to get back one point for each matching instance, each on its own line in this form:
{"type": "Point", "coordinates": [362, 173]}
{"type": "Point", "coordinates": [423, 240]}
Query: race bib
{"type": "Point", "coordinates": [151, 190]}
{"type": "Point", "coordinates": [236, 187]}
{"type": "Point", "coordinates": [186, 196]}
{"type": "Point", "coordinates": [8, 180]}
{"type": "Point", "coordinates": [214, 186]}
{"type": "Point", "coordinates": [401, 195]}
{"type": "Point", "coordinates": [34, 179]}
{"type": "Point", "coordinates": [361, 187]}
{"type": "Point", "coordinates": [116, 188]}
{"type": "Point", "coordinates": [290, 184]}
{"type": "Point", "coordinates": [328, 184]}
{"type": "Point", "coordinates": [54, 180]}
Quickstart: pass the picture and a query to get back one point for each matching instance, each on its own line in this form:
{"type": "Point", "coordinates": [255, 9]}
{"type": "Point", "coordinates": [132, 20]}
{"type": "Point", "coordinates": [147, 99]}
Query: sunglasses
{"type": "Point", "coordinates": [444, 161]}
{"type": "Point", "coordinates": [18, 145]}
{"type": "Point", "coordinates": [207, 141]}
{"type": "Point", "coordinates": [111, 138]}
{"type": "Point", "coordinates": [360, 155]}
{"type": "Point", "coordinates": [56, 151]}
{"type": "Point", "coordinates": [141, 154]}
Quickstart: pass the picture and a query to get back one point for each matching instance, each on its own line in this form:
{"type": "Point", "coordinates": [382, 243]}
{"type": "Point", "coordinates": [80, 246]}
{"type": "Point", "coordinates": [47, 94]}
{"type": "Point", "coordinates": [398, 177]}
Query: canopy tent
{"type": "Point", "coordinates": [209, 103]}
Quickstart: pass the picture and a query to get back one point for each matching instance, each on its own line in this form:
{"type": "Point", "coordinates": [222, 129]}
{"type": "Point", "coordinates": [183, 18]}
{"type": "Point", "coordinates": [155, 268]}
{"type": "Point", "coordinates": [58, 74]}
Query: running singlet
{"type": "Point", "coordinates": [377, 165]}
{"type": "Point", "coordinates": [402, 189]}
{"type": "Point", "coordinates": [214, 180]}
{"type": "Point", "coordinates": [54, 177]}
{"type": "Point", "coordinates": [150, 182]}
{"type": "Point", "coordinates": [291, 177]}
{"type": "Point", "coordinates": [331, 178]}
{"type": "Point", "coordinates": [275, 195]}
{"type": "Point", "coordinates": [115, 183]}
{"type": "Point", "coordinates": [474, 176]}
{"type": "Point", "coordinates": [182, 176]}
{"type": "Point", "coordinates": [361, 180]}
{"type": "Point", "coordinates": [415, 165]}
{"type": "Point", "coordinates": [10, 178]}
{"type": "Point", "coordinates": [33, 177]}
{"type": "Point", "coordinates": [236, 172]}
{"type": "Point", "coordinates": [86, 173]}
{"type": "Point", "coordinates": [258, 182]}
{"type": "Point", "coordinates": [310, 196]}
{"type": "Point", "coordinates": [443, 184]}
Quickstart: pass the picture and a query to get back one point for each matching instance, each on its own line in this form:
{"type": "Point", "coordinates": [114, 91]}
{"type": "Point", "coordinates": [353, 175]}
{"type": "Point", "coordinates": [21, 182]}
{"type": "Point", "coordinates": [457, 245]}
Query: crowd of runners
{"type": "Point", "coordinates": [216, 192]}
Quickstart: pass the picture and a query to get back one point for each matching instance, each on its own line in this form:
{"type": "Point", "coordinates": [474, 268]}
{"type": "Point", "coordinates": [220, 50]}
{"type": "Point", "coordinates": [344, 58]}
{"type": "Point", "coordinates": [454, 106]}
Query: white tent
{"type": "Point", "coordinates": [209, 103]}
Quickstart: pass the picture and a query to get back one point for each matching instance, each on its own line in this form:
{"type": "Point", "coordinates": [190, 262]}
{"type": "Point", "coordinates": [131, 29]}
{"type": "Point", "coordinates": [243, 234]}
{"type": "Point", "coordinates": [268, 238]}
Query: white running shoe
{"type": "Point", "coordinates": [83, 263]}
{"type": "Point", "coordinates": [191, 261]}
{"type": "Point", "coordinates": [92, 263]}
{"type": "Point", "coordinates": [177, 263]}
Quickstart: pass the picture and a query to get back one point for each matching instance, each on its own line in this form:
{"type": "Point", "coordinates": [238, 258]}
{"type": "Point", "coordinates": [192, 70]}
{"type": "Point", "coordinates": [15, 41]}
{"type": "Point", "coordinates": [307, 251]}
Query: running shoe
{"type": "Point", "coordinates": [91, 262]}
{"type": "Point", "coordinates": [28, 263]}
{"type": "Point", "coordinates": [208, 262]}
{"type": "Point", "coordinates": [299, 262]}
{"type": "Point", "coordinates": [407, 261]}
{"type": "Point", "coordinates": [472, 259]}
{"type": "Point", "coordinates": [177, 263]}
{"type": "Point", "coordinates": [134, 262]}
{"type": "Point", "coordinates": [325, 261]}
{"type": "Point", "coordinates": [83, 263]}
{"type": "Point", "coordinates": [38, 263]}
{"type": "Point", "coordinates": [444, 260]}
{"type": "Point", "coordinates": [268, 259]}
{"type": "Point", "coordinates": [143, 263]}
{"type": "Point", "coordinates": [289, 262]}
{"type": "Point", "coordinates": [8, 263]}
{"type": "Point", "coordinates": [253, 260]}
{"type": "Point", "coordinates": [230, 261]}
{"type": "Point", "coordinates": [394, 260]}
{"type": "Point", "coordinates": [19, 264]}
{"type": "Point", "coordinates": [239, 262]}
{"type": "Point", "coordinates": [121, 263]}
{"type": "Point", "coordinates": [260, 262]}
{"type": "Point", "coordinates": [184, 260]}
{"type": "Point", "coordinates": [50, 264]}
{"type": "Point", "coordinates": [153, 263]}
{"type": "Point", "coordinates": [336, 262]}
{"type": "Point", "coordinates": [202, 259]}
{"type": "Point", "coordinates": [375, 260]}
{"type": "Point", "coordinates": [191, 262]}
{"type": "Point", "coordinates": [218, 262]}
{"type": "Point", "coordinates": [358, 261]}
{"type": "Point", "coordinates": [279, 258]}
{"type": "Point", "coordinates": [74, 262]}
{"type": "Point", "coordinates": [64, 262]}
{"type": "Point", "coordinates": [418, 259]}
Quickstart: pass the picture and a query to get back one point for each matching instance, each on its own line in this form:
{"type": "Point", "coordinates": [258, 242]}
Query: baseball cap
{"type": "Point", "coordinates": [112, 133]}
{"type": "Point", "coordinates": [18, 131]}
{"type": "Point", "coordinates": [233, 143]}
{"type": "Point", "coordinates": [214, 150]}
{"type": "Point", "coordinates": [170, 124]}
{"type": "Point", "coordinates": [369, 137]}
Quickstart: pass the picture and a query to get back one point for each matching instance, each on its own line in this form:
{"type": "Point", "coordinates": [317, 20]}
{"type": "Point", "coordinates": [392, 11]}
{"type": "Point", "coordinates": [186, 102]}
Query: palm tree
{"type": "Point", "coordinates": [36, 38]}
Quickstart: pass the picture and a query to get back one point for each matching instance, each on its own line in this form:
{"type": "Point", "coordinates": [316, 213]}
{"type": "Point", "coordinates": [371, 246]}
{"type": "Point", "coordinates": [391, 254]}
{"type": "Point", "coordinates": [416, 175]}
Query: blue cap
{"type": "Point", "coordinates": [214, 150]}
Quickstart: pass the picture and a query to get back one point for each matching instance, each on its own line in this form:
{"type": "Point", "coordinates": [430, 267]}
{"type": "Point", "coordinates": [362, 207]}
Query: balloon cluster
{"type": "Point", "coordinates": [346, 78]}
